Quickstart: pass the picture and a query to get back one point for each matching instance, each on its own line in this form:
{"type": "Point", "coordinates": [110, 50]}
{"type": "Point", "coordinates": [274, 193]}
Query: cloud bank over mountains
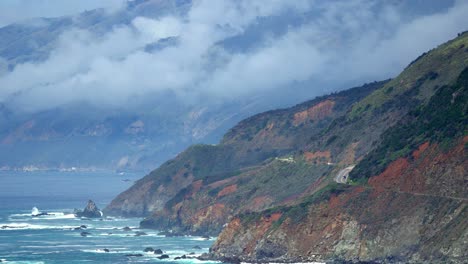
{"type": "Point", "coordinates": [196, 56]}
{"type": "Point", "coordinates": [14, 11]}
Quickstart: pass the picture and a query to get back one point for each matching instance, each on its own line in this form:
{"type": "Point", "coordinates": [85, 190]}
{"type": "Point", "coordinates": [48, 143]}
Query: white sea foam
{"type": "Point", "coordinates": [35, 211]}
{"type": "Point", "coordinates": [117, 251]}
{"type": "Point", "coordinates": [20, 215]}
{"type": "Point", "coordinates": [55, 246]}
{"type": "Point", "coordinates": [34, 215]}
{"type": "Point", "coordinates": [23, 262]}
{"type": "Point", "coordinates": [171, 253]}
{"type": "Point", "coordinates": [99, 251]}
{"type": "Point", "coordinates": [202, 239]}
{"type": "Point", "coordinates": [55, 215]}
{"type": "Point", "coordinates": [26, 226]}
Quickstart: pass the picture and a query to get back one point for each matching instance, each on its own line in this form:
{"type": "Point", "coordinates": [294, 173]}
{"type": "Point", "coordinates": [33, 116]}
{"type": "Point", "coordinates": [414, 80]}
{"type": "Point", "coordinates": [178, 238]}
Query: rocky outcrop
{"type": "Point", "coordinates": [393, 226]}
{"type": "Point", "coordinates": [90, 211]}
{"type": "Point", "coordinates": [400, 216]}
{"type": "Point", "coordinates": [314, 113]}
{"type": "Point", "coordinates": [204, 207]}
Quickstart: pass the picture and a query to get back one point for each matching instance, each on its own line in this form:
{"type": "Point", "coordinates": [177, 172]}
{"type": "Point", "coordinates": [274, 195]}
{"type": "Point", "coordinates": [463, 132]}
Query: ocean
{"type": "Point", "coordinates": [58, 238]}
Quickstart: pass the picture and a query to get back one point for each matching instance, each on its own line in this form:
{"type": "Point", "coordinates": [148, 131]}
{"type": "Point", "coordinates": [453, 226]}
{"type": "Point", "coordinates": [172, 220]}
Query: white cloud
{"type": "Point", "coordinates": [12, 11]}
{"type": "Point", "coordinates": [339, 42]}
{"type": "Point", "coordinates": [153, 30]}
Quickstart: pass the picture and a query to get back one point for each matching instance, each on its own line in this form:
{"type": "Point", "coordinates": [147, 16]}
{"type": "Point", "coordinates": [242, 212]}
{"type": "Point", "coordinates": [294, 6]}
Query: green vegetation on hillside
{"type": "Point", "coordinates": [428, 72]}
{"type": "Point", "coordinates": [442, 120]}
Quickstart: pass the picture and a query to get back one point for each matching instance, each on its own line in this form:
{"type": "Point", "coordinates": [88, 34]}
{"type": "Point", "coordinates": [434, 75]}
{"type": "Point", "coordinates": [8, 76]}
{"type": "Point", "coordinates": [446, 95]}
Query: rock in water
{"type": "Point", "coordinates": [163, 256]}
{"type": "Point", "coordinates": [84, 234]}
{"type": "Point", "coordinates": [90, 211]}
{"type": "Point", "coordinates": [148, 249]}
{"type": "Point", "coordinates": [35, 212]}
{"type": "Point", "coordinates": [134, 255]}
{"type": "Point", "coordinates": [139, 233]}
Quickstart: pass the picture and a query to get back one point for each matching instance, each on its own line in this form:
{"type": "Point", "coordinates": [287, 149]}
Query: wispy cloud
{"type": "Point", "coordinates": [13, 11]}
{"type": "Point", "coordinates": [333, 42]}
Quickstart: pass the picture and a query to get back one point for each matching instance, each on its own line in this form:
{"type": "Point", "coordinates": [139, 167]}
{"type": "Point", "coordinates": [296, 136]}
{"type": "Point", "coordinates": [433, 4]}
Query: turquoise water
{"type": "Point", "coordinates": [53, 238]}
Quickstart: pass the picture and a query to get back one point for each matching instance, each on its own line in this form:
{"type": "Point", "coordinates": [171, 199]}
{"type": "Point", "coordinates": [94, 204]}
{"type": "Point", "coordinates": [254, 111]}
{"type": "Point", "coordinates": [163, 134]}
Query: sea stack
{"type": "Point", "coordinates": [90, 211]}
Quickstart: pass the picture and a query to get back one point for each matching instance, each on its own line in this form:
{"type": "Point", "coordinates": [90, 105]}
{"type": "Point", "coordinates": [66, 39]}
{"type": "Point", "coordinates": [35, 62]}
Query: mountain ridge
{"type": "Point", "coordinates": [289, 180]}
{"type": "Point", "coordinates": [410, 201]}
{"type": "Point", "coordinates": [215, 162]}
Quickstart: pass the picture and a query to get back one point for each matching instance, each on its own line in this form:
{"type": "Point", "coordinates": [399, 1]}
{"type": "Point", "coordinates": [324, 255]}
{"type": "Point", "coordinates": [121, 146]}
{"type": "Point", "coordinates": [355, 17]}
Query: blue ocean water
{"type": "Point", "coordinates": [53, 238]}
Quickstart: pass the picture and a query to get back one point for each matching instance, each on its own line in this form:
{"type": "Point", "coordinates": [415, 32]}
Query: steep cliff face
{"type": "Point", "coordinates": [248, 148]}
{"type": "Point", "coordinates": [406, 200]}
{"type": "Point", "coordinates": [398, 216]}
{"type": "Point", "coordinates": [204, 206]}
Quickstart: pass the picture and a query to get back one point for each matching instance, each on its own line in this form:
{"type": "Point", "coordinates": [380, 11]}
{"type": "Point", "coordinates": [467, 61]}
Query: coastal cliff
{"type": "Point", "coordinates": [255, 146]}
{"type": "Point", "coordinates": [406, 201]}
{"type": "Point", "coordinates": [375, 173]}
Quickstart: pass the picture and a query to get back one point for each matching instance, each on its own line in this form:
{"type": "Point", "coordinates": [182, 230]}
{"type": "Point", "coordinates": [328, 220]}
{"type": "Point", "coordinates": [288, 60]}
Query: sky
{"type": "Point", "coordinates": [12, 11]}
{"type": "Point", "coordinates": [226, 50]}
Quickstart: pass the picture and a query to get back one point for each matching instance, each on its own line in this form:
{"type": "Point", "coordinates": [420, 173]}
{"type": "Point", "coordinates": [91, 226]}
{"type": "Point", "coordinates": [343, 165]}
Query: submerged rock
{"type": "Point", "coordinates": [158, 251]}
{"type": "Point", "coordinates": [164, 256]}
{"type": "Point", "coordinates": [90, 211]}
{"type": "Point", "coordinates": [126, 228]}
{"type": "Point", "coordinates": [148, 249]}
{"type": "Point", "coordinates": [83, 234]}
{"type": "Point", "coordinates": [139, 233]}
{"type": "Point", "coordinates": [40, 214]}
{"type": "Point", "coordinates": [106, 250]}
{"type": "Point", "coordinates": [134, 255]}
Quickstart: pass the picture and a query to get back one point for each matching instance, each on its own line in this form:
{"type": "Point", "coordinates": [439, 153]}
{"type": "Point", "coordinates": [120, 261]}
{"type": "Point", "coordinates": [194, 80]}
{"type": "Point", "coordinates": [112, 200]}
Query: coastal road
{"type": "Point", "coordinates": [342, 176]}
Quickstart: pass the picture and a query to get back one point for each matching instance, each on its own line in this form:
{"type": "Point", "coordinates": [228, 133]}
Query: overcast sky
{"type": "Point", "coordinates": [332, 43]}
{"type": "Point", "coordinates": [12, 11]}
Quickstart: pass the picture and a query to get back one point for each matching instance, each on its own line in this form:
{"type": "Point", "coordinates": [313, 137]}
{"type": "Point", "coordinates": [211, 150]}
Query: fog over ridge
{"type": "Point", "coordinates": [337, 43]}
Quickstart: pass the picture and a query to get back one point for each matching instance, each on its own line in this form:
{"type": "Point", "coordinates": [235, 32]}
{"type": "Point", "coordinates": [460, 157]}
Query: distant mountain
{"type": "Point", "coordinates": [139, 135]}
{"type": "Point", "coordinates": [87, 136]}
{"type": "Point", "coordinates": [374, 173]}
{"type": "Point", "coordinates": [84, 136]}
{"type": "Point", "coordinates": [40, 129]}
